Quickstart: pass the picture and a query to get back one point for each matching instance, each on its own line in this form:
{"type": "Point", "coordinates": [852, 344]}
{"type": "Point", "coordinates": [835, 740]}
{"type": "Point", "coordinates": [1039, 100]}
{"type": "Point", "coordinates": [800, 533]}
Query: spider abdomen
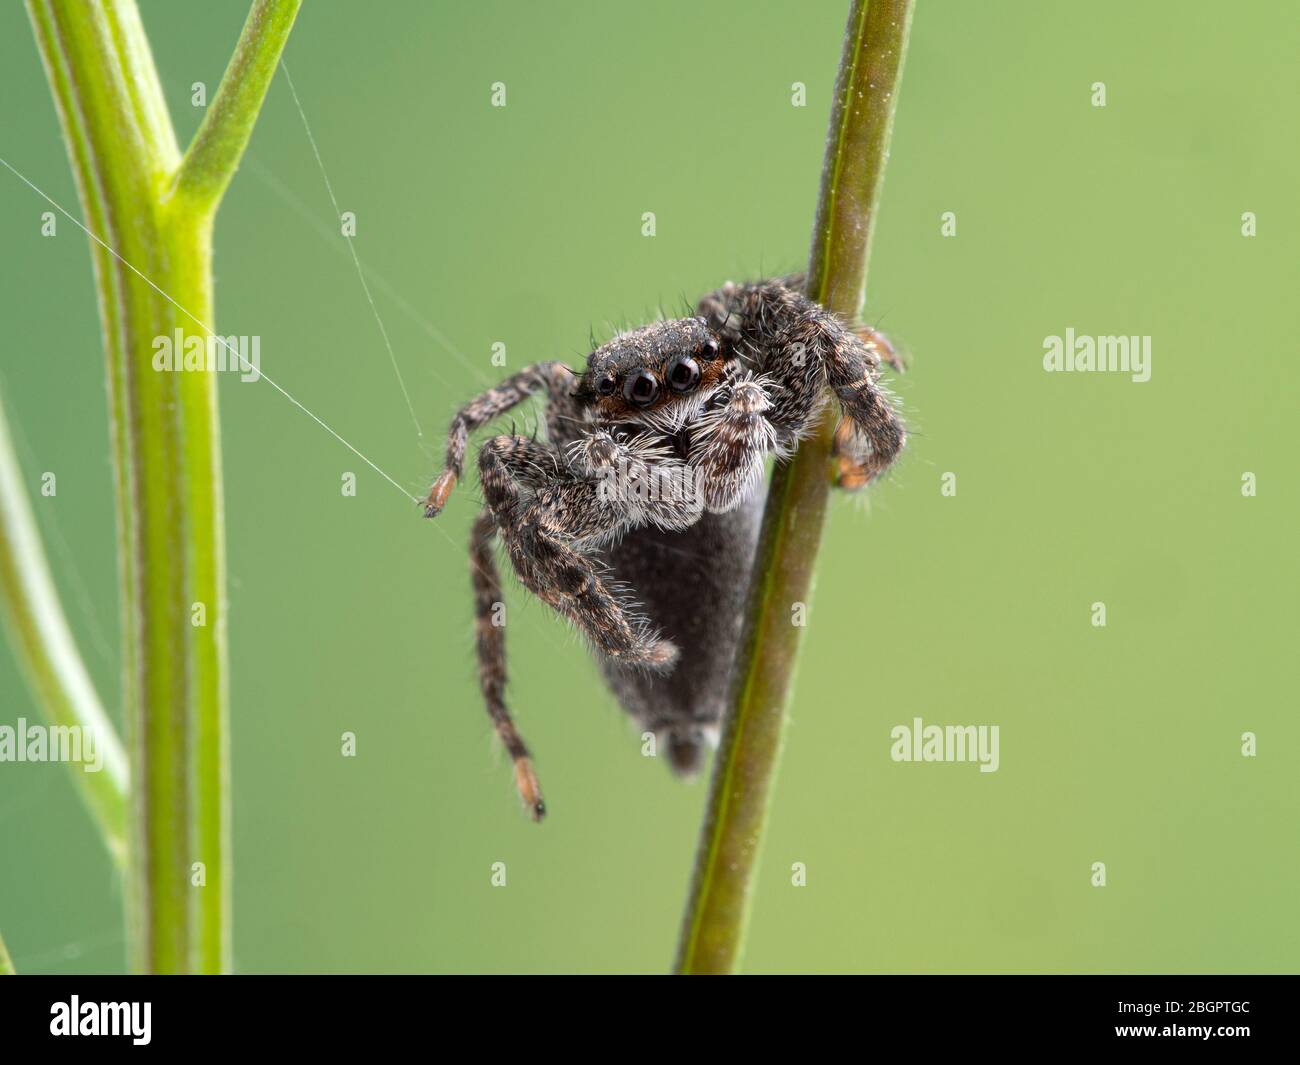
{"type": "Point", "coordinates": [691, 584]}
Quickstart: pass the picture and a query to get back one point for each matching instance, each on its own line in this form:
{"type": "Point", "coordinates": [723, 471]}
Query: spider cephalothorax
{"type": "Point", "coordinates": [658, 376]}
{"type": "Point", "coordinates": [636, 518]}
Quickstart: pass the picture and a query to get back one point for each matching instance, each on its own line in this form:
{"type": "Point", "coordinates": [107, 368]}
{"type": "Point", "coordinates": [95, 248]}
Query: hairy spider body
{"type": "Point", "coordinates": [693, 584]}
{"type": "Point", "coordinates": [637, 518]}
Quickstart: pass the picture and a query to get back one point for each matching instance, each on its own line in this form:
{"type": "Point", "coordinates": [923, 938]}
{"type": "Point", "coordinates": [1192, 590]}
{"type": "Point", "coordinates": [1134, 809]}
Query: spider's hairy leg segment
{"type": "Point", "coordinates": [638, 482]}
{"type": "Point", "coordinates": [733, 441]}
{"type": "Point", "coordinates": [853, 380]}
{"type": "Point", "coordinates": [491, 650]}
{"type": "Point", "coordinates": [511, 469]}
{"type": "Point", "coordinates": [570, 583]}
{"type": "Point", "coordinates": [527, 491]}
{"type": "Point", "coordinates": [566, 417]}
{"type": "Point", "coordinates": [738, 310]}
{"type": "Point", "coordinates": [543, 376]}
{"type": "Point", "coordinates": [717, 307]}
{"type": "Point", "coordinates": [801, 344]}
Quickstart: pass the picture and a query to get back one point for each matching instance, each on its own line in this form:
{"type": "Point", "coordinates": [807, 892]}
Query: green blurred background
{"type": "Point", "coordinates": [522, 225]}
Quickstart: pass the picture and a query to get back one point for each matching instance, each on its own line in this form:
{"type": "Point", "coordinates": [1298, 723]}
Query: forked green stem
{"type": "Point", "coordinates": [151, 213]}
{"type": "Point", "coordinates": [213, 156]}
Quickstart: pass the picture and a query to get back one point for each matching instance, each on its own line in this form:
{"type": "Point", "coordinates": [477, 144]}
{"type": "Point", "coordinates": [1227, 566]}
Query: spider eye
{"type": "Point", "coordinates": [605, 386]}
{"type": "Point", "coordinates": [641, 389]}
{"type": "Point", "coordinates": [710, 348]}
{"type": "Point", "coordinates": [683, 374]}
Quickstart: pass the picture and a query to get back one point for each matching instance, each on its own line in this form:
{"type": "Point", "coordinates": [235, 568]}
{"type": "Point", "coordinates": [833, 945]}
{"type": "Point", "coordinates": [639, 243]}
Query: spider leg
{"type": "Point", "coordinates": [637, 482]}
{"type": "Point", "coordinates": [857, 458]}
{"type": "Point", "coordinates": [730, 443]}
{"type": "Point", "coordinates": [853, 380]}
{"type": "Point", "coordinates": [566, 418]}
{"type": "Point", "coordinates": [571, 584]}
{"type": "Point", "coordinates": [490, 645]}
{"type": "Point", "coordinates": [551, 377]}
{"type": "Point", "coordinates": [779, 331]}
{"type": "Point", "coordinates": [883, 347]}
{"type": "Point", "coordinates": [541, 517]}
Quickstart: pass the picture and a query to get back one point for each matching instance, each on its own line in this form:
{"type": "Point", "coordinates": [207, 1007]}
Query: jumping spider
{"type": "Point", "coordinates": [640, 509]}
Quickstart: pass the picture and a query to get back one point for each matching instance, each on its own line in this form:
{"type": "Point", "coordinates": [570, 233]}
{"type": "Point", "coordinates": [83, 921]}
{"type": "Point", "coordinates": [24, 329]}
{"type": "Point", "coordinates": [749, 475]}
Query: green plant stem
{"type": "Point", "coordinates": [214, 154]}
{"type": "Point", "coordinates": [45, 647]}
{"type": "Point", "coordinates": [156, 281]}
{"type": "Point", "coordinates": [857, 148]}
{"type": "Point", "coordinates": [6, 963]}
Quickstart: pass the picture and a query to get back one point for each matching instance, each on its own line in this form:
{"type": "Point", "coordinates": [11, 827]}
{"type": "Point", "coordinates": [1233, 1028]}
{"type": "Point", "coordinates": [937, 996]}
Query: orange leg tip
{"type": "Point", "coordinates": [437, 497]}
{"type": "Point", "coordinates": [878, 342]}
{"type": "Point", "coordinates": [530, 791]}
{"type": "Point", "coordinates": [849, 476]}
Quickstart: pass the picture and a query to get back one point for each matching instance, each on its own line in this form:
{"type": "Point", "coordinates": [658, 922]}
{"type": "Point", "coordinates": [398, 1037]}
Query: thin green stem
{"type": "Point", "coordinates": [44, 645]}
{"type": "Point", "coordinates": [213, 156]}
{"type": "Point", "coordinates": [857, 149]}
{"type": "Point", "coordinates": [154, 279]}
{"type": "Point", "coordinates": [6, 963]}
{"type": "Point", "coordinates": [140, 79]}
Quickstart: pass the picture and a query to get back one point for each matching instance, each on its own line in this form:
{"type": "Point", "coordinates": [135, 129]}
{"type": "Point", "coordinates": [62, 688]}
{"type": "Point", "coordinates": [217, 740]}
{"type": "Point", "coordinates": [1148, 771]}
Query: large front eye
{"type": "Point", "coordinates": [640, 389]}
{"type": "Point", "coordinates": [683, 374]}
{"type": "Point", "coordinates": [605, 386]}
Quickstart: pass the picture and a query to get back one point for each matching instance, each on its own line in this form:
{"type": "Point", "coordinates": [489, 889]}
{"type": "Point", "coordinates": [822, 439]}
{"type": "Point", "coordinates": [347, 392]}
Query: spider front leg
{"type": "Point", "coordinates": [871, 435]}
{"type": "Point", "coordinates": [783, 334]}
{"type": "Point", "coordinates": [544, 512]}
{"type": "Point", "coordinates": [731, 443]}
{"type": "Point", "coordinates": [637, 482]}
{"type": "Point", "coordinates": [550, 377]}
{"type": "Point", "coordinates": [854, 466]}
